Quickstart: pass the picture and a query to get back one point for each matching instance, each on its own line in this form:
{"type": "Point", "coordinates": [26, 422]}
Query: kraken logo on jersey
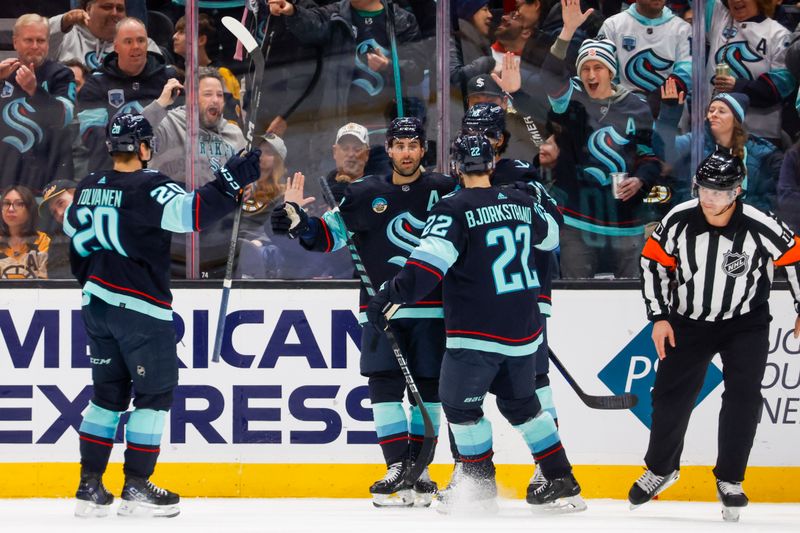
{"type": "Point", "coordinates": [644, 70]}
{"type": "Point", "coordinates": [378, 84]}
{"type": "Point", "coordinates": [605, 146]}
{"type": "Point", "coordinates": [736, 55]}
{"type": "Point", "coordinates": [16, 116]}
{"type": "Point", "coordinates": [400, 232]}
{"type": "Point", "coordinates": [92, 60]}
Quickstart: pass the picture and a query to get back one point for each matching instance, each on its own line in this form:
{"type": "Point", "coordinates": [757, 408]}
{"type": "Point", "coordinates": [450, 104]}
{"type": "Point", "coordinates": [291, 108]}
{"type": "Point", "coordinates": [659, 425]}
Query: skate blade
{"type": "Point", "coordinates": [423, 499]}
{"type": "Point", "coordinates": [84, 509]}
{"type": "Point", "coordinates": [129, 508]}
{"type": "Point", "coordinates": [730, 514]}
{"type": "Point", "coordinates": [569, 504]}
{"type": "Point", "coordinates": [664, 487]}
{"type": "Point", "coordinates": [401, 498]}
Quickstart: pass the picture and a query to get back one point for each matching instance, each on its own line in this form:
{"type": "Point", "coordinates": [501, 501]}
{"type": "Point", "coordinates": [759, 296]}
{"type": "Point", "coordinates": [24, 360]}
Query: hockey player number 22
{"type": "Point", "coordinates": [514, 243]}
{"type": "Point", "coordinates": [99, 231]}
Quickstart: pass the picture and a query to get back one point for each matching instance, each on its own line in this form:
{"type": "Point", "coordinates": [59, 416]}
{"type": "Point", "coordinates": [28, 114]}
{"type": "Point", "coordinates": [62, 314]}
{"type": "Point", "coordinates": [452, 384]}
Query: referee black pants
{"type": "Point", "coordinates": [742, 343]}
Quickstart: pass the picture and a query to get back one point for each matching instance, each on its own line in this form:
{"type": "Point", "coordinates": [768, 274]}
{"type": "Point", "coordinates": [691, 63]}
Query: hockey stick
{"type": "Point", "coordinates": [426, 452]}
{"type": "Point", "coordinates": [617, 401]}
{"type": "Point", "coordinates": [250, 44]}
{"type": "Point", "coordinates": [398, 90]}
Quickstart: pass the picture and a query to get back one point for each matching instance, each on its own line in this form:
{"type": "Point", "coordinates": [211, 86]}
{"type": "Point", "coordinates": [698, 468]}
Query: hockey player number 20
{"type": "Point", "coordinates": [100, 231]}
{"type": "Point", "coordinates": [514, 243]}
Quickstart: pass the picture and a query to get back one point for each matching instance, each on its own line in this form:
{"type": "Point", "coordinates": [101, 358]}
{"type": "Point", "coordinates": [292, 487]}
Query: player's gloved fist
{"type": "Point", "coordinates": [289, 219]}
{"type": "Point", "coordinates": [239, 171]}
{"type": "Point", "coordinates": [378, 306]}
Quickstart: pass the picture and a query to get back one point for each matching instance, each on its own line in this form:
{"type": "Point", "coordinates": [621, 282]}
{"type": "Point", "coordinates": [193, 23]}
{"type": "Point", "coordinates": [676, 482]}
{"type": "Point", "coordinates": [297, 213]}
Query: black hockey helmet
{"type": "Point", "coordinates": [406, 128]}
{"type": "Point", "coordinates": [485, 118]}
{"type": "Point", "coordinates": [472, 154]}
{"type": "Point", "coordinates": [721, 171]}
{"type": "Point", "coordinates": [126, 131]}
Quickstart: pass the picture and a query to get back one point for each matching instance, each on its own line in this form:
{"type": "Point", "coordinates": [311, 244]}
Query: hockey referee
{"type": "Point", "coordinates": [706, 276]}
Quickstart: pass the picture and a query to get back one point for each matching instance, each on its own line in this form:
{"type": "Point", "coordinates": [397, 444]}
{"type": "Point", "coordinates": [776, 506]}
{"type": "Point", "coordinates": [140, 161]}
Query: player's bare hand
{"type": "Point", "coordinates": [8, 66]}
{"type": "Point", "coordinates": [170, 92]}
{"type": "Point", "coordinates": [510, 80]}
{"type": "Point", "coordinates": [280, 7]}
{"type": "Point", "coordinates": [724, 84]}
{"type": "Point", "coordinates": [26, 78]}
{"type": "Point", "coordinates": [629, 187]}
{"type": "Point", "coordinates": [294, 190]}
{"type": "Point", "coordinates": [278, 126]}
{"type": "Point", "coordinates": [376, 60]}
{"type": "Point", "coordinates": [573, 17]}
{"type": "Point", "coordinates": [797, 327]}
{"type": "Point", "coordinates": [70, 18]}
{"type": "Point", "coordinates": [670, 93]}
{"type": "Point", "coordinates": [662, 331]}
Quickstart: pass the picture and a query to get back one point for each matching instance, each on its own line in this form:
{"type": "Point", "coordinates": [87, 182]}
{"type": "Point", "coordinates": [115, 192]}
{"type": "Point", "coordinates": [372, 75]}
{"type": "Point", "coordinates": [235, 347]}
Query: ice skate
{"type": "Point", "coordinates": [560, 495]}
{"type": "Point", "coordinates": [472, 490]}
{"type": "Point", "coordinates": [733, 498]}
{"type": "Point", "coordinates": [140, 497]}
{"type": "Point", "coordinates": [393, 490]}
{"type": "Point", "coordinates": [424, 490]}
{"type": "Point", "coordinates": [93, 499]}
{"type": "Point", "coordinates": [650, 485]}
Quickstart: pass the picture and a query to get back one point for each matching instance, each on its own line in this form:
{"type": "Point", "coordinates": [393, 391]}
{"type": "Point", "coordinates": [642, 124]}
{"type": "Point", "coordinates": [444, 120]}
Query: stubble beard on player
{"type": "Point", "coordinates": [407, 175]}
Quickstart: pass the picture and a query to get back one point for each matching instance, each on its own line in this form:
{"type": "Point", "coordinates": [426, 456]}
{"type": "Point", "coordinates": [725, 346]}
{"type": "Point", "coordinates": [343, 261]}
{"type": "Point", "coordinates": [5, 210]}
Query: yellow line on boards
{"type": "Point", "coordinates": [51, 480]}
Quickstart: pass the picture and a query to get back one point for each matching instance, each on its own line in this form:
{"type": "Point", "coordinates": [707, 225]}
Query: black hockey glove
{"type": "Point", "coordinates": [289, 219]}
{"type": "Point", "coordinates": [239, 171]}
{"type": "Point", "coordinates": [378, 306]}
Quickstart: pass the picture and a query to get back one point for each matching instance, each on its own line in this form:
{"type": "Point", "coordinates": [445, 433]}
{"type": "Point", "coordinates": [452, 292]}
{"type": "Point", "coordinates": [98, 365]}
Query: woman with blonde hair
{"type": "Point", "coordinates": [23, 249]}
{"type": "Point", "coordinates": [724, 128]}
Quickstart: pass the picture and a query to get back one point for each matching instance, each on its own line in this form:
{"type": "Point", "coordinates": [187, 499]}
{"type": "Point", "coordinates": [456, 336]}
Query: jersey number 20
{"type": "Point", "coordinates": [514, 243]}
{"type": "Point", "coordinates": [100, 231]}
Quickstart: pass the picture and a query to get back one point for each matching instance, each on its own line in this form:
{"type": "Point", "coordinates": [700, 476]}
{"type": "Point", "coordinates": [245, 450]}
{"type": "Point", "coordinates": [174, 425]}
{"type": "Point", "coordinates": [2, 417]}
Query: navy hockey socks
{"type": "Point", "coordinates": [391, 425]}
{"type": "Point", "coordinates": [143, 436]}
{"type": "Point", "coordinates": [417, 433]}
{"type": "Point", "coordinates": [541, 436]}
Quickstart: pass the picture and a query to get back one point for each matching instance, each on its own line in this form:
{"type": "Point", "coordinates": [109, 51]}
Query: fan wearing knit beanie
{"type": "Point", "coordinates": [597, 66]}
{"type": "Point", "coordinates": [475, 12]}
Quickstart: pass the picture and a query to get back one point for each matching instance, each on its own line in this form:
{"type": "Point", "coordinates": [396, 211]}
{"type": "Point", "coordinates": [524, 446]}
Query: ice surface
{"type": "Point", "coordinates": [358, 515]}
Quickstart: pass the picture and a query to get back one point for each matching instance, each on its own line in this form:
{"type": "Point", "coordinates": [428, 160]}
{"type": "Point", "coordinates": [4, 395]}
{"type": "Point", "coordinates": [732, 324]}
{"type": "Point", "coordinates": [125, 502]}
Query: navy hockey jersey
{"type": "Point", "coordinates": [120, 224]}
{"type": "Point", "coordinates": [386, 221]}
{"type": "Point", "coordinates": [477, 242]}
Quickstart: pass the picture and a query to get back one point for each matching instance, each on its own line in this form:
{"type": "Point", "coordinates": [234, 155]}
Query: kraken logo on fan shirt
{"type": "Point", "coordinates": [645, 68]}
{"type": "Point", "coordinates": [736, 55]}
{"type": "Point", "coordinates": [14, 116]}
{"type": "Point", "coordinates": [376, 86]}
{"type": "Point", "coordinates": [604, 146]}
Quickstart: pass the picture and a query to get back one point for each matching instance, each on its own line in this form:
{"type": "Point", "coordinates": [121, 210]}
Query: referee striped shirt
{"type": "Point", "coordinates": [703, 272]}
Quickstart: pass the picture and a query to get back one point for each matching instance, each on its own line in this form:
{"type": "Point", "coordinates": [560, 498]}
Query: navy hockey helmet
{"type": "Point", "coordinates": [472, 154]}
{"type": "Point", "coordinates": [126, 131]}
{"type": "Point", "coordinates": [721, 171]}
{"type": "Point", "coordinates": [485, 118]}
{"type": "Point", "coordinates": [406, 128]}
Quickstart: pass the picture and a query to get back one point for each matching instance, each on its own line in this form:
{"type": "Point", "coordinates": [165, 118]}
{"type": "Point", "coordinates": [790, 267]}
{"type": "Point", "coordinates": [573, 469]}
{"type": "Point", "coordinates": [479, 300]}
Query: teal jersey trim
{"type": "Point", "coordinates": [134, 304]}
{"type": "Point", "coordinates": [178, 213]}
{"type": "Point", "coordinates": [550, 242]}
{"type": "Point", "coordinates": [437, 252]}
{"type": "Point", "coordinates": [603, 230]}
{"type": "Point", "coordinates": [69, 109]}
{"type": "Point", "coordinates": [494, 347]}
{"type": "Point", "coordinates": [545, 309]}
{"type": "Point", "coordinates": [561, 103]}
{"type": "Point", "coordinates": [666, 16]}
{"type": "Point", "coordinates": [337, 228]}
{"type": "Point", "coordinates": [413, 312]}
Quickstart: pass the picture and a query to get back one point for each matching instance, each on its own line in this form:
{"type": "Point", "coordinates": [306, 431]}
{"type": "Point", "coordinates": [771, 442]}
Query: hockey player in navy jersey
{"type": "Point", "coordinates": [477, 243]}
{"type": "Point", "coordinates": [120, 223]}
{"type": "Point", "coordinates": [386, 215]}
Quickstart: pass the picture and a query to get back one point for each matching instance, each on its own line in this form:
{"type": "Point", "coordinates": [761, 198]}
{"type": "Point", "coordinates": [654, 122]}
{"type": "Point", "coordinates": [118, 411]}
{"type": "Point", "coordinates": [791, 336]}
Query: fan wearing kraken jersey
{"type": "Point", "coordinates": [386, 215]}
{"type": "Point", "coordinates": [753, 46]}
{"type": "Point", "coordinates": [653, 45]}
{"type": "Point", "coordinates": [477, 243]}
{"type": "Point", "coordinates": [120, 224]}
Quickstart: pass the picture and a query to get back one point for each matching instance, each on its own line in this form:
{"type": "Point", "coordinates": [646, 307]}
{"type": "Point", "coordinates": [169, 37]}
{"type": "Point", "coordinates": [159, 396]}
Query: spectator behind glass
{"type": "Point", "coordinates": [217, 141]}
{"type": "Point", "coordinates": [55, 199]}
{"type": "Point", "coordinates": [607, 129]}
{"type": "Point", "coordinates": [470, 52]}
{"type": "Point", "coordinates": [23, 249]}
{"type": "Point", "coordinates": [652, 45]}
{"type": "Point", "coordinates": [206, 32]}
{"type": "Point", "coordinates": [37, 101]}
{"type": "Point", "coordinates": [357, 76]}
{"type": "Point", "coordinates": [724, 128]}
{"type": "Point", "coordinates": [80, 72]}
{"type": "Point", "coordinates": [789, 189]}
{"type": "Point", "coordinates": [753, 46]}
{"type": "Point", "coordinates": [350, 153]}
{"type": "Point", "coordinates": [130, 78]}
{"type": "Point", "coordinates": [88, 34]}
